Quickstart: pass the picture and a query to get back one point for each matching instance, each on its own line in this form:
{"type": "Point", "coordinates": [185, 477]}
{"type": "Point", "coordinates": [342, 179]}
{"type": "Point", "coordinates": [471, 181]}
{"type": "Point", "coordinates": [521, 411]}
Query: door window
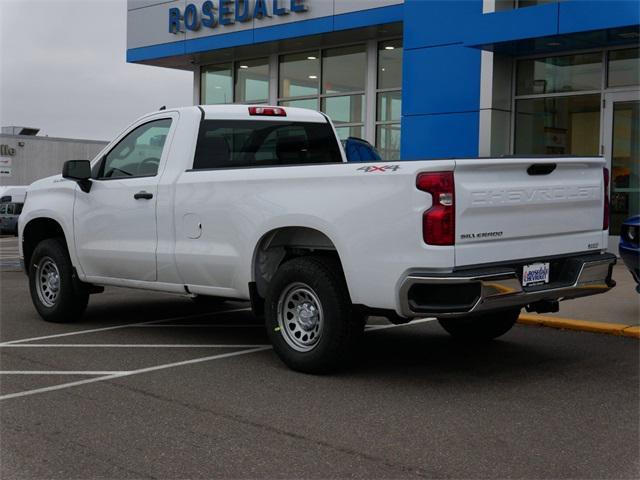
{"type": "Point", "coordinates": [10, 209]}
{"type": "Point", "coordinates": [138, 154]}
{"type": "Point", "coordinates": [3, 209]}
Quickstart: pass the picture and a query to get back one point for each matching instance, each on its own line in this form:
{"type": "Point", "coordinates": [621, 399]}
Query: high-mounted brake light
{"type": "Point", "coordinates": [439, 222]}
{"type": "Point", "coordinates": [605, 217]}
{"type": "Point", "coordinates": [268, 111]}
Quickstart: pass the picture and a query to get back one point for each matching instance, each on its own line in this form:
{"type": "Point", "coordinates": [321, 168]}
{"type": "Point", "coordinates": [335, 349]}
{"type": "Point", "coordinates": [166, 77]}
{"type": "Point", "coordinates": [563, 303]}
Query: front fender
{"type": "Point", "coordinates": [55, 201]}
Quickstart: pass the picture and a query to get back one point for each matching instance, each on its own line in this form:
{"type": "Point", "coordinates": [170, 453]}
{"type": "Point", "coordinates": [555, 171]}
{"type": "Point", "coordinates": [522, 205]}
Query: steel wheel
{"type": "Point", "coordinates": [300, 317]}
{"type": "Point", "coordinates": [47, 281]}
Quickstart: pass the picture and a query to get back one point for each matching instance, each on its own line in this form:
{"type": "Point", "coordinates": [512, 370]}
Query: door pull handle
{"type": "Point", "coordinates": [143, 195]}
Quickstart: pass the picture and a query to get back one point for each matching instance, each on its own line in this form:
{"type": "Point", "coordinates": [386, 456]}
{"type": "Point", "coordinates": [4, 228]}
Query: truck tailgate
{"type": "Point", "coordinates": [524, 208]}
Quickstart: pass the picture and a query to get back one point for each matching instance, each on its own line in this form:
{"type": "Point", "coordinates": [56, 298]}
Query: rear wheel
{"type": "Point", "coordinates": [486, 326]}
{"type": "Point", "coordinates": [55, 290]}
{"type": "Point", "coordinates": [309, 316]}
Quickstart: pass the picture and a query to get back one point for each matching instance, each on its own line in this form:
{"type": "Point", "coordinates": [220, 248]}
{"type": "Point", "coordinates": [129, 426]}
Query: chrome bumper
{"type": "Point", "coordinates": [474, 291]}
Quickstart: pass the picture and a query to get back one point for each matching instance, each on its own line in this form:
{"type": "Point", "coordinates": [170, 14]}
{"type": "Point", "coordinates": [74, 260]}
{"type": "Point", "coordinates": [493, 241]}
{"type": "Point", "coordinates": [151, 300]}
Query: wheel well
{"type": "Point", "coordinates": [283, 244]}
{"type": "Point", "coordinates": [37, 230]}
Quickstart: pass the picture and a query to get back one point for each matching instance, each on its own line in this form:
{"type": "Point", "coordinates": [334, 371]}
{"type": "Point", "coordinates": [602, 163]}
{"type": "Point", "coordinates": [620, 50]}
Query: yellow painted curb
{"type": "Point", "coordinates": [631, 332]}
{"type": "Point", "coordinates": [581, 325]}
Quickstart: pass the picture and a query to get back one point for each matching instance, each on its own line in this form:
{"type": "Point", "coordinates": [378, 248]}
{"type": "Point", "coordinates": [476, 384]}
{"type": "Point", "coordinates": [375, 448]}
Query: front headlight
{"type": "Point", "coordinates": [630, 233]}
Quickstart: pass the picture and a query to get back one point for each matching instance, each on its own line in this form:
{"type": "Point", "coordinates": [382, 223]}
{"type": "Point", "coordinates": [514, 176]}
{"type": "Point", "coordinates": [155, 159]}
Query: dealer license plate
{"type": "Point", "coordinates": [535, 274]}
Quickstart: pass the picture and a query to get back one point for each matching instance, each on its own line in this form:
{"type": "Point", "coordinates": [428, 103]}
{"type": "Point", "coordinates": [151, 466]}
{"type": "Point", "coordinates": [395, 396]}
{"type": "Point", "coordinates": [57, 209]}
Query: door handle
{"type": "Point", "coordinates": [541, 168]}
{"type": "Point", "coordinates": [143, 195]}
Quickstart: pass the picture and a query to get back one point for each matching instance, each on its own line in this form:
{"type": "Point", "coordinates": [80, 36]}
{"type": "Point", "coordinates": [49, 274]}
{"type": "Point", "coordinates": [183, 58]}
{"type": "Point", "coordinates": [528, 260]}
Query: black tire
{"type": "Point", "coordinates": [340, 327]}
{"type": "Point", "coordinates": [71, 297]}
{"type": "Point", "coordinates": [486, 326]}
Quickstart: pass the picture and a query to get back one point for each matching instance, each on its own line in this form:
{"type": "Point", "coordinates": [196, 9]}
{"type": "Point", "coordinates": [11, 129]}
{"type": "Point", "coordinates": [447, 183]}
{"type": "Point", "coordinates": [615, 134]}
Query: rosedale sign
{"type": "Point", "coordinates": [227, 12]}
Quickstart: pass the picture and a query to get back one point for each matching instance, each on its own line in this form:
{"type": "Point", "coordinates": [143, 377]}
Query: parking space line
{"type": "Point", "coordinates": [199, 325]}
{"type": "Point", "coordinates": [115, 327]}
{"type": "Point", "coordinates": [129, 345]}
{"type": "Point", "coordinates": [62, 372]}
{"type": "Point", "coordinates": [131, 372]}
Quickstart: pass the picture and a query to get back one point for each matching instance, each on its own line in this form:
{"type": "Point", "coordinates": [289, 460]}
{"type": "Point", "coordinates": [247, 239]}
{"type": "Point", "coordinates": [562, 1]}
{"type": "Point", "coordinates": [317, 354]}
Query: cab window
{"type": "Point", "coordinates": [3, 208]}
{"type": "Point", "coordinates": [261, 143]}
{"type": "Point", "coordinates": [138, 154]}
{"type": "Point", "coordinates": [10, 209]}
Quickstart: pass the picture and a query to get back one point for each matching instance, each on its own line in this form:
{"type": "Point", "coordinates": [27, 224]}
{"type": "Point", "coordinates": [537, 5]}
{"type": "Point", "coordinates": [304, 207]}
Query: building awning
{"type": "Point", "coordinates": [557, 43]}
{"type": "Point", "coordinates": [558, 26]}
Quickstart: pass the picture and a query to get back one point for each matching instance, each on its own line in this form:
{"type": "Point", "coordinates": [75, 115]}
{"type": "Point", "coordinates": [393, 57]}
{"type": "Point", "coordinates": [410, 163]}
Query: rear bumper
{"type": "Point", "coordinates": [497, 287]}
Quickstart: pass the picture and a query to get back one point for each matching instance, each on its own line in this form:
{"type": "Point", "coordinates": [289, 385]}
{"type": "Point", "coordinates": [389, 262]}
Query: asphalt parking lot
{"type": "Point", "coordinates": [152, 386]}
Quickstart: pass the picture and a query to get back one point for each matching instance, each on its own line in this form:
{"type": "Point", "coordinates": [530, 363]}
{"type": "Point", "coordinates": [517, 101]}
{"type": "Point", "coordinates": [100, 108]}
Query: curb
{"type": "Point", "coordinates": [580, 325]}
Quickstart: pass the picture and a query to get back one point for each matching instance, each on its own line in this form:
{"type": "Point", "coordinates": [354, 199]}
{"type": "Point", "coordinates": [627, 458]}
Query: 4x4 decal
{"type": "Point", "coordinates": [380, 168]}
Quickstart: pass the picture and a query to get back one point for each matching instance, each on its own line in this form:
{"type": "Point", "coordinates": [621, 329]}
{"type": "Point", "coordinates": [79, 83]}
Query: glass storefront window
{"type": "Point", "coordinates": [311, 103]}
{"type": "Point", "coordinates": [252, 81]}
{"type": "Point", "coordinates": [299, 74]}
{"type": "Point", "coordinates": [344, 69]}
{"type": "Point", "coordinates": [624, 67]}
{"type": "Point", "coordinates": [390, 64]}
{"type": "Point", "coordinates": [346, 132]}
{"type": "Point", "coordinates": [625, 163]}
{"type": "Point", "coordinates": [558, 125]}
{"type": "Point", "coordinates": [568, 73]}
{"type": "Point", "coordinates": [346, 109]}
{"type": "Point", "coordinates": [389, 106]}
{"type": "Point", "coordinates": [388, 141]}
{"type": "Point", "coordinates": [216, 84]}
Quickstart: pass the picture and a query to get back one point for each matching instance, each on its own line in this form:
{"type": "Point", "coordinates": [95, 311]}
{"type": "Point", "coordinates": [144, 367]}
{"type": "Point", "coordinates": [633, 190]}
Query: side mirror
{"type": "Point", "coordinates": [78, 171]}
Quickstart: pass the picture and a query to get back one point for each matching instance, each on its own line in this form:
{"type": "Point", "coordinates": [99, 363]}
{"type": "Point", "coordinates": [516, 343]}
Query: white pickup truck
{"type": "Point", "coordinates": [259, 203]}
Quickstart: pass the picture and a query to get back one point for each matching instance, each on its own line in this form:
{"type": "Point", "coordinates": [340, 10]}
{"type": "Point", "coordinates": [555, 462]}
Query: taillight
{"type": "Point", "coordinates": [605, 217]}
{"type": "Point", "coordinates": [268, 111]}
{"type": "Point", "coordinates": [439, 222]}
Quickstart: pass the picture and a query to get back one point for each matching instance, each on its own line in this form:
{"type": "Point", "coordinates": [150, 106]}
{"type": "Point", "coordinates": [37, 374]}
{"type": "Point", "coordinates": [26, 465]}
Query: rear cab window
{"type": "Point", "coordinates": [260, 143]}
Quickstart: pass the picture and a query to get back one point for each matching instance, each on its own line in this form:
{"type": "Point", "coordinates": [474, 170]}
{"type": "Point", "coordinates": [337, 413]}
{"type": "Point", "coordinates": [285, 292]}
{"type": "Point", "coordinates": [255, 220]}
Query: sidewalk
{"type": "Point", "coordinates": [616, 312]}
{"type": "Point", "coordinates": [619, 305]}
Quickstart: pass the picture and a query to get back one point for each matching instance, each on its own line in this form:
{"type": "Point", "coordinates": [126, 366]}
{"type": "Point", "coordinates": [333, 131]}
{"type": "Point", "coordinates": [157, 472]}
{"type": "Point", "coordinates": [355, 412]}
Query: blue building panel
{"type": "Point", "coordinates": [580, 15]}
{"type": "Point", "coordinates": [293, 30]}
{"type": "Point", "coordinates": [438, 22]}
{"type": "Point", "coordinates": [441, 80]}
{"type": "Point", "coordinates": [215, 42]}
{"type": "Point", "coordinates": [515, 24]}
{"type": "Point", "coordinates": [155, 51]}
{"type": "Point", "coordinates": [366, 18]}
{"type": "Point", "coordinates": [440, 136]}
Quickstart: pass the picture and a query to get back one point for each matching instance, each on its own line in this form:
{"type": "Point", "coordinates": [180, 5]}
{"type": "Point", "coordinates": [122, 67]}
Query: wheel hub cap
{"type": "Point", "coordinates": [47, 281]}
{"type": "Point", "coordinates": [300, 317]}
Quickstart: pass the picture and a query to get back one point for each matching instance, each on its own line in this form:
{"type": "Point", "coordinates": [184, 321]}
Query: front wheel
{"type": "Point", "coordinates": [55, 291]}
{"type": "Point", "coordinates": [309, 317]}
{"type": "Point", "coordinates": [486, 326]}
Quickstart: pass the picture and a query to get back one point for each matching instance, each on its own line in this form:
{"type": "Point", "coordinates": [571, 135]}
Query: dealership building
{"type": "Point", "coordinates": [422, 79]}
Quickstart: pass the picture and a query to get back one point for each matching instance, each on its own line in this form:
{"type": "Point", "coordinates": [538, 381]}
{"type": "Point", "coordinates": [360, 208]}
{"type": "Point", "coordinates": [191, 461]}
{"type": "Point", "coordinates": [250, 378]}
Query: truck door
{"type": "Point", "coordinates": [115, 223]}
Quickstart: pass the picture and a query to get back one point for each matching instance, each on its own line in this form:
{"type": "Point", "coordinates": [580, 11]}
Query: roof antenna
{"type": "Point", "coordinates": [163, 107]}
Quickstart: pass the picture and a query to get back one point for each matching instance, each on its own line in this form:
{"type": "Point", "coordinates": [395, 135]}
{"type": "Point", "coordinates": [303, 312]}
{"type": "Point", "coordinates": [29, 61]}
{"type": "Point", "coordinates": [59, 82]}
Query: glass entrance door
{"type": "Point", "coordinates": [622, 151]}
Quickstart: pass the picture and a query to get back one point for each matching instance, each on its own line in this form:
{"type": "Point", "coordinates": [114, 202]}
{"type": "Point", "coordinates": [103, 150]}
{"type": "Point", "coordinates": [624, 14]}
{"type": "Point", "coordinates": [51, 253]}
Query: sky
{"type": "Point", "coordinates": [63, 70]}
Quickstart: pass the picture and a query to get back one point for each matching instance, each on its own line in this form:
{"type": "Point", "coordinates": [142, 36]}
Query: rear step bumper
{"type": "Point", "coordinates": [483, 289]}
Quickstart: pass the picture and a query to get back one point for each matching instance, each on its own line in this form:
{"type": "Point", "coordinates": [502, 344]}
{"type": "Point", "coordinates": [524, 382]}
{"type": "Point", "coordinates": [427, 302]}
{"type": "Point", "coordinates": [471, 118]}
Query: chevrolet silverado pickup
{"type": "Point", "coordinates": [259, 203]}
